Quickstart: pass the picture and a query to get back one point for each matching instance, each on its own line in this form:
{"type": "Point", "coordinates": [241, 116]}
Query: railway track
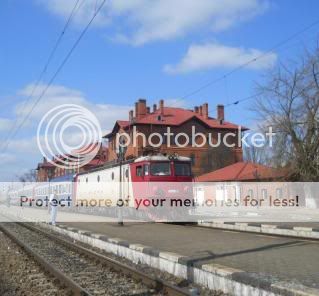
{"type": "Point", "coordinates": [82, 270]}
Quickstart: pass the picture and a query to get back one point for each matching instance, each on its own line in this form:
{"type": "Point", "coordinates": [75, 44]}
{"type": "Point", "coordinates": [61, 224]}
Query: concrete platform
{"type": "Point", "coordinates": [305, 230]}
{"type": "Point", "coordinates": [237, 263]}
{"type": "Point", "coordinates": [267, 258]}
{"type": "Point", "coordinates": [252, 264]}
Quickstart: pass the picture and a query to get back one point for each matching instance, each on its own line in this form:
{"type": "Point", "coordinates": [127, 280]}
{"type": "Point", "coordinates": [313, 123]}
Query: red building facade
{"type": "Point", "coordinates": [179, 120]}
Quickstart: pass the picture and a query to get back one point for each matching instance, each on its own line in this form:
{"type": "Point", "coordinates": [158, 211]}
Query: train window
{"type": "Point", "coordinates": [98, 178]}
{"type": "Point", "coordinates": [139, 171]}
{"type": "Point", "coordinates": [112, 176]}
{"type": "Point", "coordinates": [251, 193]}
{"type": "Point", "coordinates": [182, 169]}
{"type": "Point", "coordinates": [160, 169]}
{"type": "Point", "coordinates": [146, 169]}
{"type": "Point", "coordinates": [264, 193]}
{"type": "Point", "coordinates": [279, 192]}
{"type": "Point", "coordinates": [126, 173]}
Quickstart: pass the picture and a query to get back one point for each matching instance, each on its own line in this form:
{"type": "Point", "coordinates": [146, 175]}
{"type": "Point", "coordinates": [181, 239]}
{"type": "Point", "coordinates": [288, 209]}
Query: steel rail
{"type": "Point", "coordinates": [150, 281]}
{"type": "Point", "coordinates": [62, 277]}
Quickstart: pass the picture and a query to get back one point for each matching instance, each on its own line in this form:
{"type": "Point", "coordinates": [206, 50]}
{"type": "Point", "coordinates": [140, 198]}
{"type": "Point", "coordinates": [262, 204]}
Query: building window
{"type": "Point", "coordinates": [87, 179]}
{"type": "Point", "coordinates": [98, 178]}
{"type": "Point", "coordinates": [112, 176]}
{"type": "Point", "coordinates": [182, 169]}
{"type": "Point", "coordinates": [126, 173]}
{"type": "Point", "coordinates": [192, 157]}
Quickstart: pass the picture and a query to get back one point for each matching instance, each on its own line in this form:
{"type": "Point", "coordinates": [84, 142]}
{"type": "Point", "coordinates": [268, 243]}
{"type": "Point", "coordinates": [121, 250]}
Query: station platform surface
{"type": "Point", "coordinates": [281, 258]}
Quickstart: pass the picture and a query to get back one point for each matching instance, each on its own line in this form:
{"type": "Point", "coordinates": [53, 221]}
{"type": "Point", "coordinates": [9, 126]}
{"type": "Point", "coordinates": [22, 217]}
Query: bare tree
{"type": "Point", "coordinates": [30, 176]}
{"type": "Point", "coordinates": [256, 155]}
{"type": "Point", "coordinates": [289, 103]}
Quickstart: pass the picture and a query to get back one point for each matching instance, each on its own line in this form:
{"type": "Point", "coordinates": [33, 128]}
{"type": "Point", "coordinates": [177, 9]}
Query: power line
{"type": "Point", "coordinates": [257, 95]}
{"type": "Point", "coordinates": [58, 70]}
{"type": "Point", "coordinates": [241, 100]}
{"type": "Point", "coordinates": [250, 61]}
{"type": "Point", "coordinates": [50, 57]}
{"type": "Point", "coordinates": [244, 99]}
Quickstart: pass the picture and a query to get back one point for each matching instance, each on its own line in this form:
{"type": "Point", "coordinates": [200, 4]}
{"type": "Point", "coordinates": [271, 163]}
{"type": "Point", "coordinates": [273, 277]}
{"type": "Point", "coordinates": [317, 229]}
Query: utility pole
{"type": "Point", "coordinates": [120, 151]}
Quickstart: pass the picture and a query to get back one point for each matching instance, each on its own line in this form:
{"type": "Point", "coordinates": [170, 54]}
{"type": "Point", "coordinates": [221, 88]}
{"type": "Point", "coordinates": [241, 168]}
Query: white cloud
{"type": "Point", "coordinates": [7, 158]}
{"type": "Point", "coordinates": [177, 103]}
{"type": "Point", "coordinates": [5, 124]}
{"type": "Point", "coordinates": [214, 55]}
{"type": "Point", "coordinates": [58, 95]}
{"type": "Point", "coordinates": [141, 21]}
{"type": "Point", "coordinates": [22, 151]}
{"type": "Point", "coordinates": [83, 13]}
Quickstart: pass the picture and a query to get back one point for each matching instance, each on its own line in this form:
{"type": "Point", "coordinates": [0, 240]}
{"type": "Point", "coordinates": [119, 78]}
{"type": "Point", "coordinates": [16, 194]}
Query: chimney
{"type": "Point", "coordinates": [220, 113]}
{"type": "Point", "coordinates": [140, 108]}
{"type": "Point", "coordinates": [136, 110]}
{"type": "Point", "coordinates": [44, 159]}
{"type": "Point", "coordinates": [196, 109]}
{"type": "Point", "coordinates": [161, 106]}
{"type": "Point", "coordinates": [200, 110]}
{"type": "Point", "coordinates": [131, 115]}
{"type": "Point", "coordinates": [154, 108]}
{"type": "Point", "coordinates": [205, 110]}
{"type": "Point", "coordinates": [148, 110]}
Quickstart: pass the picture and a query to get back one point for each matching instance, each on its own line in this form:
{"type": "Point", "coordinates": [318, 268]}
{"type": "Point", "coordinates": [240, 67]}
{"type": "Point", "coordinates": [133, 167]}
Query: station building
{"type": "Point", "coordinates": [236, 181]}
{"type": "Point", "coordinates": [47, 170]}
{"type": "Point", "coordinates": [146, 121]}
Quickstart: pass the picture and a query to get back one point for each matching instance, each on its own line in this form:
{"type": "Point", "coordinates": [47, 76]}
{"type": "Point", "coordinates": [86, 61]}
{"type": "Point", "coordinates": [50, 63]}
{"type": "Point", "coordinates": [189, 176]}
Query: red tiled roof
{"type": "Point", "coordinates": [45, 165]}
{"type": "Point", "coordinates": [174, 117]}
{"type": "Point", "coordinates": [95, 162]}
{"type": "Point", "coordinates": [242, 171]}
{"type": "Point", "coordinates": [123, 123]}
{"type": "Point", "coordinates": [177, 116]}
{"type": "Point", "coordinates": [87, 149]}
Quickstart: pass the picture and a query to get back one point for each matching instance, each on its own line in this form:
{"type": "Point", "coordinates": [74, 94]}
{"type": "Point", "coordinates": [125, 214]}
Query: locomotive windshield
{"type": "Point", "coordinates": [182, 169]}
{"type": "Point", "coordinates": [160, 169]}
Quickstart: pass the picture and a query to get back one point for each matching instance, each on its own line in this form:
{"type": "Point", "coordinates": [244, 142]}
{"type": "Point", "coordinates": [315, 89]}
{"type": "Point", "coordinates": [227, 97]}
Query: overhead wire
{"type": "Point", "coordinates": [44, 70]}
{"type": "Point", "coordinates": [56, 73]}
{"type": "Point", "coordinates": [279, 44]}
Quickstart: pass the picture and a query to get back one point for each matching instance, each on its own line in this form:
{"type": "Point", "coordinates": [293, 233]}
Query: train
{"type": "Point", "coordinates": [151, 185]}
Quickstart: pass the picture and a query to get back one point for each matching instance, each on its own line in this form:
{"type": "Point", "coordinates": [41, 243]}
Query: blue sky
{"type": "Point", "coordinates": [139, 49]}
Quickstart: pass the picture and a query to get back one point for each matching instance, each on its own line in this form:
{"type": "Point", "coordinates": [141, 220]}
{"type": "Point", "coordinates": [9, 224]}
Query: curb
{"type": "Point", "coordinates": [212, 276]}
{"type": "Point", "coordinates": [280, 230]}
